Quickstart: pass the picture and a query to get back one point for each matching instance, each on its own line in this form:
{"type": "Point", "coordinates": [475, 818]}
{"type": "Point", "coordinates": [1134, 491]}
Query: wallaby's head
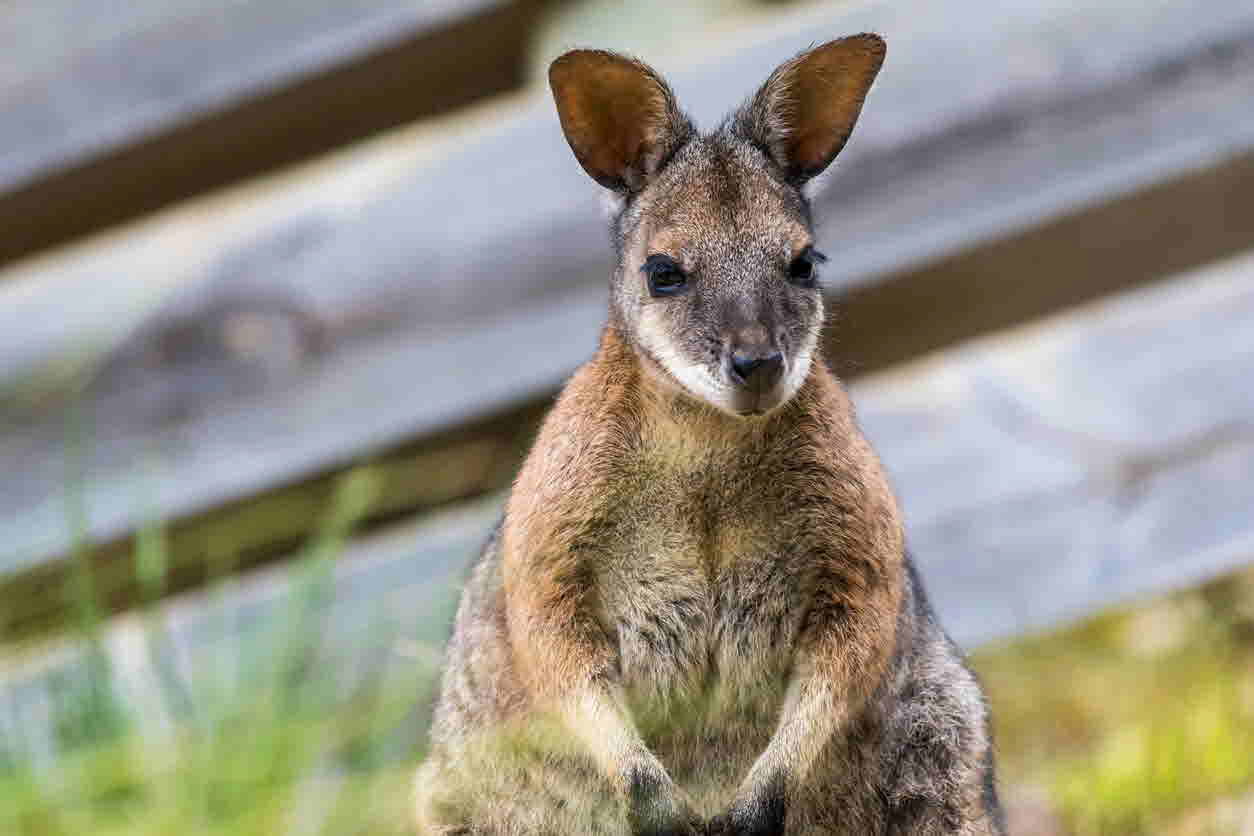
{"type": "Point", "coordinates": [716, 286]}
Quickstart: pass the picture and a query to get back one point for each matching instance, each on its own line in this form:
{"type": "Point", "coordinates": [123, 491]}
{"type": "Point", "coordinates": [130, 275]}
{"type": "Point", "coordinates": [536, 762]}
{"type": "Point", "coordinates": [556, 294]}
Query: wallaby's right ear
{"type": "Point", "coordinates": [619, 116]}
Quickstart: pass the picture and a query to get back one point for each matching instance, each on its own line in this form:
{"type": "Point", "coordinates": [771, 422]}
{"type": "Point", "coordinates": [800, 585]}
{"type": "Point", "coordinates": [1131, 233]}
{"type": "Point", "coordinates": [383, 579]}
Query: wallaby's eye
{"type": "Point", "coordinates": [666, 277]}
{"type": "Point", "coordinates": [802, 271]}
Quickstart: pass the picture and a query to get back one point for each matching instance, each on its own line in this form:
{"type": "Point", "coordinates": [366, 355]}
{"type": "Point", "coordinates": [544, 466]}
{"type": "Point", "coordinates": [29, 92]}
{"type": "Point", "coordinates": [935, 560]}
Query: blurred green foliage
{"type": "Point", "coordinates": [1135, 721]}
{"type": "Point", "coordinates": [267, 742]}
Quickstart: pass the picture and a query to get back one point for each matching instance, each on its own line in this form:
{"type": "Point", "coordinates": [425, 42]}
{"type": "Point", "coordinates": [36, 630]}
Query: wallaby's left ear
{"type": "Point", "coordinates": [806, 110]}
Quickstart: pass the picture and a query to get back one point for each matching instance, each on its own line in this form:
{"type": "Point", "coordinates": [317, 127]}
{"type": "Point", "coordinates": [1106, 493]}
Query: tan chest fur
{"type": "Point", "coordinates": [703, 588]}
{"type": "Point", "coordinates": [699, 544]}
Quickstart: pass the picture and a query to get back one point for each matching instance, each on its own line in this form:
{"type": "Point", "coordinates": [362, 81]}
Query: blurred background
{"type": "Point", "coordinates": [285, 288]}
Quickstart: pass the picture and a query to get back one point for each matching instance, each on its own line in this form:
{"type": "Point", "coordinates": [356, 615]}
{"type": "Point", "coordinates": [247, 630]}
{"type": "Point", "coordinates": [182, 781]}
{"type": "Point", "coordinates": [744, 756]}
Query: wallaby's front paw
{"type": "Point", "coordinates": [751, 815]}
{"type": "Point", "coordinates": [657, 807]}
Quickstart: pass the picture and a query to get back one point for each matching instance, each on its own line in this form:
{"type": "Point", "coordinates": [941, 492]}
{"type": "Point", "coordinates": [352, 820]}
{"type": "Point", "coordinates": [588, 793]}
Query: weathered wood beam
{"type": "Point", "coordinates": [454, 465]}
{"type": "Point", "coordinates": [987, 191]}
{"type": "Point", "coordinates": [1085, 460]}
{"type": "Point", "coordinates": [176, 99]}
{"type": "Point", "coordinates": [1130, 239]}
{"type": "Point", "coordinates": [1103, 455]}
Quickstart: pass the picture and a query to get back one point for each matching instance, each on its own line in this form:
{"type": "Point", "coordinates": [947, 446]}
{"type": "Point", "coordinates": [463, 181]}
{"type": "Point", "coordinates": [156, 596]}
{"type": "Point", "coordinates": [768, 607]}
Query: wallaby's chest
{"type": "Point", "coordinates": [703, 583]}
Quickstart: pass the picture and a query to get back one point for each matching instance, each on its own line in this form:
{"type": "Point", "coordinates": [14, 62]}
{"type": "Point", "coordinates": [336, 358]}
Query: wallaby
{"type": "Point", "coordinates": [698, 614]}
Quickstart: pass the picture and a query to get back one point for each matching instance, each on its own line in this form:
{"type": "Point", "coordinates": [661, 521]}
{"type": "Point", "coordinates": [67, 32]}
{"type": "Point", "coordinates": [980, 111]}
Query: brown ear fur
{"type": "Point", "coordinates": [806, 110]}
{"type": "Point", "coordinates": [619, 116]}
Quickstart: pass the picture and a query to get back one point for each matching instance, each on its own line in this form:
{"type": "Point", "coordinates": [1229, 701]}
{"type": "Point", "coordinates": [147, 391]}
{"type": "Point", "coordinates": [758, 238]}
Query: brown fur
{"type": "Point", "coordinates": [698, 614]}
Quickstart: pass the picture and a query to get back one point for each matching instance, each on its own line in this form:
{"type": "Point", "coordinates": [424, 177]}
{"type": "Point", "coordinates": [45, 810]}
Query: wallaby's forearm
{"type": "Point", "coordinates": [570, 668]}
{"type": "Point", "coordinates": [597, 715]}
{"type": "Point", "coordinates": [835, 671]}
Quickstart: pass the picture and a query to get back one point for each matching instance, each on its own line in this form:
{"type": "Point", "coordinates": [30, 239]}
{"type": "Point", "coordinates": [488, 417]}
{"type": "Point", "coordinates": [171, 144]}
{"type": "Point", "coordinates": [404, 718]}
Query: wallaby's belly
{"type": "Point", "coordinates": [705, 623]}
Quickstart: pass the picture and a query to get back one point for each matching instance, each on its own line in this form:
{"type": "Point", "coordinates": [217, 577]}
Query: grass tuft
{"type": "Point", "coordinates": [270, 742]}
{"type": "Point", "coordinates": [1133, 718]}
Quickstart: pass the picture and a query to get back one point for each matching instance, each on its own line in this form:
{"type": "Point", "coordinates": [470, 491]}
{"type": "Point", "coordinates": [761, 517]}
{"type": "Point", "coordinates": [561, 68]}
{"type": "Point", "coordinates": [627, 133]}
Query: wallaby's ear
{"type": "Point", "coordinates": [619, 116]}
{"type": "Point", "coordinates": [805, 111]}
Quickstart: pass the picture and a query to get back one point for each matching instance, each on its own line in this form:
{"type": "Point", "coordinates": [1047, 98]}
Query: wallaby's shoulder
{"type": "Point", "coordinates": [569, 474]}
{"type": "Point", "coordinates": [591, 417]}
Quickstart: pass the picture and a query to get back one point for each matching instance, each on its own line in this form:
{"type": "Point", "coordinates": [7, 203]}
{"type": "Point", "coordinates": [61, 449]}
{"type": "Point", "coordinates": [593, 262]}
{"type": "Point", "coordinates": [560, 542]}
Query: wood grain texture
{"type": "Point", "coordinates": [1075, 463]}
{"type": "Point", "coordinates": [1056, 470]}
{"type": "Point", "coordinates": [110, 111]}
{"type": "Point", "coordinates": [80, 77]}
{"type": "Point", "coordinates": [1046, 161]}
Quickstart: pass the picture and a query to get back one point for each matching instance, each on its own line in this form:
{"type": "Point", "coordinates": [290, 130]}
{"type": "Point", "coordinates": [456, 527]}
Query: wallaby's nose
{"type": "Point", "coordinates": [757, 368]}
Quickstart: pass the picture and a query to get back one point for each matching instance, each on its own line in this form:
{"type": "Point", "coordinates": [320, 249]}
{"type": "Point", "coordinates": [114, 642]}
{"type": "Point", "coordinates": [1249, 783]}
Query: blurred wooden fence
{"type": "Point", "coordinates": [1046, 473]}
{"type": "Point", "coordinates": [218, 373]}
{"type": "Point", "coordinates": [110, 110]}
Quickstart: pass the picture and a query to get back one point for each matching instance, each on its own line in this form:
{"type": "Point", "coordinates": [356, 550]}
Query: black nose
{"type": "Point", "coordinates": [757, 368]}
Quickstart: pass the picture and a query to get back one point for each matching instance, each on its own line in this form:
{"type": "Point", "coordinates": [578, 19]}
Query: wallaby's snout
{"type": "Point", "coordinates": [716, 286]}
{"type": "Point", "coordinates": [754, 364]}
{"type": "Point", "coordinates": [757, 367]}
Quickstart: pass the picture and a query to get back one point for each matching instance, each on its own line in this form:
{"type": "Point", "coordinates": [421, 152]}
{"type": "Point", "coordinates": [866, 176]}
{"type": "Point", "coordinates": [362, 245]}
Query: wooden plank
{"type": "Point", "coordinates": [114, 110]}
{"type": "Point", "coordinates": [1104, 455]}
{"type": "Point", "coordinates": [80, 78]}
{"type": "Point", "coordinates": [343, 328]}
{"type": "Point", "coordinates": [469, 461]}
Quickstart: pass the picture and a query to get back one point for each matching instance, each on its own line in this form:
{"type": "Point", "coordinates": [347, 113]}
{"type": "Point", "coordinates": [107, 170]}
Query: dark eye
{"type": "Point", "coordinates": [666, 278]}
{"type": "Point", "coordinates": [802, 271]}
